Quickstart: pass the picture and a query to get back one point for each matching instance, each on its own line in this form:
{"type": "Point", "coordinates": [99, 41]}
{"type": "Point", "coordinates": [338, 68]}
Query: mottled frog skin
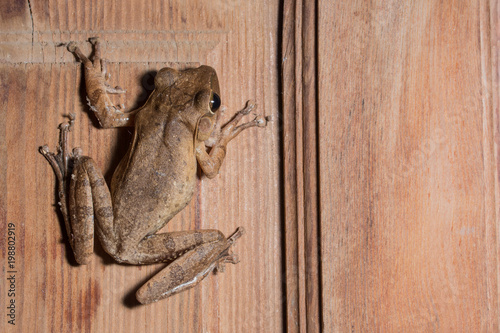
{"type": "Point", "coordinates": [154, 181]}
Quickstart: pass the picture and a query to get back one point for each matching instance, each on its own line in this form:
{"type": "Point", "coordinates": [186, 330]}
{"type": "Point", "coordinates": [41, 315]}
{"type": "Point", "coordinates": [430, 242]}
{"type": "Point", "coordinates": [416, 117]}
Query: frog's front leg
{"type": "Point", "coordinates": [211, 163]}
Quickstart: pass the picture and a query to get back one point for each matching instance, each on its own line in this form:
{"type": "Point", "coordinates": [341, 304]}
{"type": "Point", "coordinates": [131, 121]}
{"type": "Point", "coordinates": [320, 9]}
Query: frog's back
{"type": "Point", "coordinates": [156, 178]}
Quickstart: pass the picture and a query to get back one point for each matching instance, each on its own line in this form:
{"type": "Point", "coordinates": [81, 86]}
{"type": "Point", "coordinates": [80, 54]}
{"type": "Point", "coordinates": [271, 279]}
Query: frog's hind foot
{"type": "Point", "coordinates": [225, 258]}
{"type": "Point", "coordinates": [189, 269]}
{"type": "Point", "coordinates": [228, 258]}
{"type": "Point", "coordinates": [60, 161]}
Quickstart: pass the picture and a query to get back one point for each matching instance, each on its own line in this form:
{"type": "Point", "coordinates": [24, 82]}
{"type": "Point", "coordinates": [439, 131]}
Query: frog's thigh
{"type": "Point", "coordinates": [168, 246]}
{"type": "Point", "coordinates": [88, 194]}
{"type": "Point", "coordinates": [184, 273]}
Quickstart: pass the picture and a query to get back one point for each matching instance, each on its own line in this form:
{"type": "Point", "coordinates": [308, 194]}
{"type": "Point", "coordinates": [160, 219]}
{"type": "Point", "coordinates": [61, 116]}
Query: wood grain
{"type": "Point", "coordinates": [41, 82]}
{"type": "Point", "coordinates": [408, 155]}
{"type": "Point", "coordinates": [374, 207]}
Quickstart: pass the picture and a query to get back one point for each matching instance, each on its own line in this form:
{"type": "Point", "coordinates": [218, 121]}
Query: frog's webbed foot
{"type": "Point", "coordinates": [228, 258]}
{"type": "Point", "coordinates": [232, 129]}
{"type": "Point", "coordinates": [189, 269]}
{"type": "Point", "coordinates": [227, 132]}
{"type": "Point", "coordinates": [211, 162]}
{"type": "Point", "coordinates": [98, 88]}
{"type": "Point", "coordinates": [60, 161]}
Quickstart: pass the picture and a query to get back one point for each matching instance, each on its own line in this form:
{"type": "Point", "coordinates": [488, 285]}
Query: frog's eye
{"type": "Point", "coordinates": [214, 102]}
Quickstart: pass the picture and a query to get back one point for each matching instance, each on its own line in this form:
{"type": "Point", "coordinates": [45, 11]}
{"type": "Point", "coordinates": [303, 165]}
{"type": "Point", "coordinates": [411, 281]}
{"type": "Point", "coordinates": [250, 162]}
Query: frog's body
{"type": "Point", "coordinates": [154, 181]}
{"type": "Point", "coordinates": [159, 169]}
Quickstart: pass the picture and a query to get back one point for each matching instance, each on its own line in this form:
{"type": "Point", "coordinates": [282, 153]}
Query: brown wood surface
{"type": "Point", "coordinates": [377, 211]}
{"type": "Point", "coordinates": [391, 152]}
{"type": "Point", "coordinates": [41, 82]}
{"type": "Point", "coordinates": [408, 165]}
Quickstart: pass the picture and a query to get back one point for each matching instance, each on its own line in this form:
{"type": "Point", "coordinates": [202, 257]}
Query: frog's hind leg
{"type": "Point", "coordinates": [61, 163]}
{"type": "Point", "coordinates": [79, 181]}
{"type": "Point", "coordinates": [89, 197]}
{"type": "Point", "coordinates": [189, 269]}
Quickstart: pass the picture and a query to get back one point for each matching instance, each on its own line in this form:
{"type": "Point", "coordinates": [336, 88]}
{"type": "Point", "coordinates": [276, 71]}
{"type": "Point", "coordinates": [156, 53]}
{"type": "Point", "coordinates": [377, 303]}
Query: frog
{"type": "Point", "coordinates": [177, 131]}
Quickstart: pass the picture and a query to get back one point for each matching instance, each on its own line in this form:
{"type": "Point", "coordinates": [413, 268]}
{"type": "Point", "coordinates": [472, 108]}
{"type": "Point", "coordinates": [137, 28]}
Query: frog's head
{"type": "Point", "coordinates": [193, 94]}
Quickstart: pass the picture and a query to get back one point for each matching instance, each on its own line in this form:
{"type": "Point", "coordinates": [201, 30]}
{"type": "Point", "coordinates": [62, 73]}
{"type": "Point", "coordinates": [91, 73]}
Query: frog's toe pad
{"type": "Point", "coordinates": [71, 47]}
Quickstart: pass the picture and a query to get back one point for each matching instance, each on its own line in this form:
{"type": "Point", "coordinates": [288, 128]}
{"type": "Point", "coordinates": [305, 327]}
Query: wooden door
{"type": "Point", "coordinates": [42, 82]}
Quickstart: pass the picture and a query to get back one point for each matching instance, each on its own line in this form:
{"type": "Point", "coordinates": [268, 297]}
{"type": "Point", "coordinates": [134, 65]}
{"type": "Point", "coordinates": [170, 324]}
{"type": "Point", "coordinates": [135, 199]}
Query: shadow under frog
{"type": "Point", "coordinates": [155, 179]}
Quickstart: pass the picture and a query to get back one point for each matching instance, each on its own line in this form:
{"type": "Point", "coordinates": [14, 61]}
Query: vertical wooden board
{"type": "Point", "coordinates": [41, 82]}
{"type": "Point", "coordinates": [300, 169]}
{"type": "Point", "coordinates": [409, 229]}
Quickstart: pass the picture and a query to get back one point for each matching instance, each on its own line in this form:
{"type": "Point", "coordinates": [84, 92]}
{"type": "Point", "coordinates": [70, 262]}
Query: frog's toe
{"type": "Point", "coordinates": [260, 121]}
{"type": "Point", "coordinates": [94, 40]}
{"type": "Point", "coordinates": [225, 258]}
{"type": "Point", "coordinates": [251, 105]}
{"type": "Point", "coordinates": [240, 231]}
{"type": "Point", "coordinates": [230, 259]}
{"type": "Point", "coordinates": [114, 90]}
{"type": "Point", "coordinates": [71, 46]}
{"type": "Point", "coordinates": [44, 150]}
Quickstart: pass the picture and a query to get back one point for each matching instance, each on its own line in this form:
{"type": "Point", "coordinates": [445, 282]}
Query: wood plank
{"type": "Point", "coordinates": [41, 82]}
{"type": "Point", "coordinates": [408, 154]}
{"type": "Point", "coordinates": [300, 167]}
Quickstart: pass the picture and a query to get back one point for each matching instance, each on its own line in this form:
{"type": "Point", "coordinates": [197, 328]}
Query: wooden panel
{"type": "Point", "coordinates": [300, 167]}
{"type": "Point", "coordinates": [41, 82]}
{"type": "Point", "coordinates": [408, 154]}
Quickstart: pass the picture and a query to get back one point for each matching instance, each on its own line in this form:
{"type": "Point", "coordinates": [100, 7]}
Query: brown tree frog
{"type": "Point", "coordinates": [154, 181]}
